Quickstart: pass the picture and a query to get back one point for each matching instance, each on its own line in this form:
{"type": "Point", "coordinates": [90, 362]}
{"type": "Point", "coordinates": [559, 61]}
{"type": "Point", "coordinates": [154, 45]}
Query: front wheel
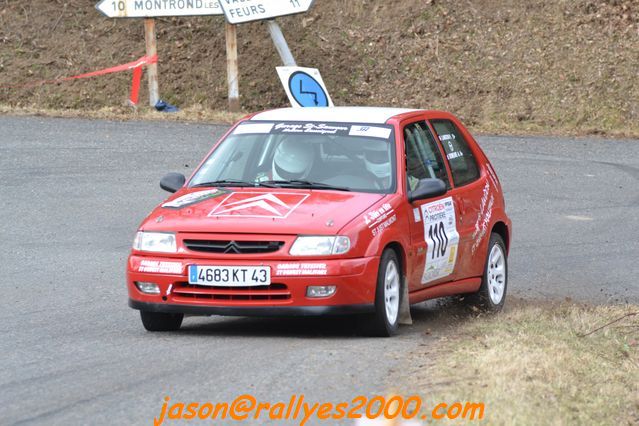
{"type": "Point", "coordinates": [492, 293]}
{"type": "Point", "coordinates": [158, 321]}
{"type": "Point", "coordinates": [385, 321]}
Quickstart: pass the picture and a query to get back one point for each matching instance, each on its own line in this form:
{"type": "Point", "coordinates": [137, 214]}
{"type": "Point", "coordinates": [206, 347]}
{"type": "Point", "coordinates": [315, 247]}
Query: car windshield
{"type": "Point", "coordinates": [324, 156]}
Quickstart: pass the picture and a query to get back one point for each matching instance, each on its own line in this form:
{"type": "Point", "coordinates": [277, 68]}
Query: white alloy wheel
{"type": "Point", "coordinates": [496, 274]}
{"type": "Point", "coordinates": [391, 291]}
{"type": "Point", "coordinates": [491, 295]}
{"type": "Point", "coordinates": [384, 322]}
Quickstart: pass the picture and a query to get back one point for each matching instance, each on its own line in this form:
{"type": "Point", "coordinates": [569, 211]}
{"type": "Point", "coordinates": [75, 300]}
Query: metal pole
{"type": "Point", "coordinates": [232, 68]}
{"type": "Point", "coordinates": [280, 44]}
{"type": "Point", "coordinates": [152, 69]}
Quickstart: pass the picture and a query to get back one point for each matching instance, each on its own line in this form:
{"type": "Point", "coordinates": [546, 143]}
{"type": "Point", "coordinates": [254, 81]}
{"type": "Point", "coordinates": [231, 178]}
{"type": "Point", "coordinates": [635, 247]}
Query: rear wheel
{"type": "Point", "coordinates": [385, 321]}
{"type": "Point", "coordinates": [492, 293]}
{"type": "Point", "coordinates": [158, 321]}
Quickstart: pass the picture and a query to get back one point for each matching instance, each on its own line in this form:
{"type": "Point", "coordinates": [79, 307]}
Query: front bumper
{"type": "Point", "coordinates": [355, 280]}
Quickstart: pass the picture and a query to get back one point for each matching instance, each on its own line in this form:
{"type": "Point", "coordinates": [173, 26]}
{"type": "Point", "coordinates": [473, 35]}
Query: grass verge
{"type": "Point", "coordinates": [124, 113]}
{"type": "Point", "coordinates": [534, 364]}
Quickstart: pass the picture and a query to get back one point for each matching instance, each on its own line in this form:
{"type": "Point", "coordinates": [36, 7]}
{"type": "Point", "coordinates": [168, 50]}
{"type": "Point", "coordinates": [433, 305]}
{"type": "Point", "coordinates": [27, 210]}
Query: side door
{"type": "Point", "coordinates": [433, 222]}
{"type": "Point", "coordinates": [471, 193]}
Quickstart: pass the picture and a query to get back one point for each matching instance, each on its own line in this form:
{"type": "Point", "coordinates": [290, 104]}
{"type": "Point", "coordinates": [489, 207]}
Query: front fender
{"type": "Point", "coordinates": [384, 223]}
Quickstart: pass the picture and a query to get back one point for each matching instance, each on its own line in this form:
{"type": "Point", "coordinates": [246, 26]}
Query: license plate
{"type": "Point", "coordinates": [230, 276]}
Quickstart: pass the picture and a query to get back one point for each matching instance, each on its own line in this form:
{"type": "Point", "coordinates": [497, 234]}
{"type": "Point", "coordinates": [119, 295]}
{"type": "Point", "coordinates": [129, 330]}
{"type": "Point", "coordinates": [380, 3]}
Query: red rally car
{"type": "Point", "coordinates": [314, 211]}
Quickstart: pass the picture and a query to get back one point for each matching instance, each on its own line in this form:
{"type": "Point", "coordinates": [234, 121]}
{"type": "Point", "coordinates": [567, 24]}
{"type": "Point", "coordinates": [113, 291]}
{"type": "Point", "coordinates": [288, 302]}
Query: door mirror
{"type": "Point", "coordinates": [172, 182]}
{"type": "Point", "coordinates": [427, 188]}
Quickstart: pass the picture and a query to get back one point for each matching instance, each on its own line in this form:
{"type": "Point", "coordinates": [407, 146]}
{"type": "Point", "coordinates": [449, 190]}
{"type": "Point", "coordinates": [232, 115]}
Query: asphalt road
{"type": "Point", "coordinates": [72, 193]}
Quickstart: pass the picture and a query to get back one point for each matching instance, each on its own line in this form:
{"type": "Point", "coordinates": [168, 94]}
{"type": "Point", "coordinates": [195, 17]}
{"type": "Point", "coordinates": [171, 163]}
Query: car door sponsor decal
{"type": "Point", "coordinates": [483, 217]}
{"type": "Point", "coordinates": [379, 219]}
{"type": "Point", "coordinates": [442, 239]}
{"type": "Point", "coordinates": [194, 198]}
{"type": "Point", "coordinates": [275, 205]}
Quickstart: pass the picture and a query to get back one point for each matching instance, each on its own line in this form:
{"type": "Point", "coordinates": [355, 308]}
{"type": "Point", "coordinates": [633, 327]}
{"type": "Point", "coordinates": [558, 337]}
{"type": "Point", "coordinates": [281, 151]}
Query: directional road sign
{"type": "Point", "coordinates": [157, 8]}
{"type": "Point", "coordinates": [304, 87]}
{"type": "Point", "coordinates": [240, 11]}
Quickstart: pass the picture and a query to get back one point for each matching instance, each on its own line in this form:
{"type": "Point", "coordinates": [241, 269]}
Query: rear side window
{"type": "Point", "coordinates": [463, 165]}
{"type": "Point", "coordinates": [423, 158]}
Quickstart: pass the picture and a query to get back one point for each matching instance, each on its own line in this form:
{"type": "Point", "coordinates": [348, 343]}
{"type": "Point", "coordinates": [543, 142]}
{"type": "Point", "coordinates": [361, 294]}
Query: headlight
{"type": "Point", "coordinates": [159, 242]}
{"type": "Point", "coordinates": [320, 246]}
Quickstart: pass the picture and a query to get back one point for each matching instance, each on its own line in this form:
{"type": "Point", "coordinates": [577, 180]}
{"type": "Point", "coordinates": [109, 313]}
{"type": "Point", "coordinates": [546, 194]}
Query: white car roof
{"type": "Point", "coordinates": [373, 115]}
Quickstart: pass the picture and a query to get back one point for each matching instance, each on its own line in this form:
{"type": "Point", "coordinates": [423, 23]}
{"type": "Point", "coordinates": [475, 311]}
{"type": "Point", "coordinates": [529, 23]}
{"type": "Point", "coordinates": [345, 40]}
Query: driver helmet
{"type": "Point", "coordinates": [377, 159]}
{"type": "Point", "coordinates": [292, 160]}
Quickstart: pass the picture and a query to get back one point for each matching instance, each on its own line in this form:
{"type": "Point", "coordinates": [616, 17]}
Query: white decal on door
{"type": "Point", "coordinates": [442, 239]}
{"type": "Point", "coordinates": [483, 217]}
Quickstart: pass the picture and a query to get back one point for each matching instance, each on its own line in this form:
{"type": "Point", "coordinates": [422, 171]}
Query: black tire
{"type": "Point", "coordinates": [379, 324]}
{"type": "Point", "coordinates": [486, 298]}
{"type": "Point", "coordinates": [157, 321]}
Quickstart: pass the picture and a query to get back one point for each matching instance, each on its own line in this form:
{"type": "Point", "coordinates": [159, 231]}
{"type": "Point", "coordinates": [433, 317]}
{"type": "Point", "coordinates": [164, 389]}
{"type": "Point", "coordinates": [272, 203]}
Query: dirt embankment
{"type": "Point", "coordinates": [521, 65]}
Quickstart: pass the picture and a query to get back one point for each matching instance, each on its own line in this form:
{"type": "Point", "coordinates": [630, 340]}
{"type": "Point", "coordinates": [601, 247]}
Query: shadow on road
{"type": "Point", "coordinates": [311, 327]}
{"type": "Point", "coordinates": [430, 316]}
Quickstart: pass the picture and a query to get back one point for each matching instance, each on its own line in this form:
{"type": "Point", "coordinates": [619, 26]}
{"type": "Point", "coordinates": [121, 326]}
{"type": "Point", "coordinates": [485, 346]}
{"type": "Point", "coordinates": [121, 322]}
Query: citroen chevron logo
{"type": "Point", "coordinates": [232, 248]}
{"type": "Point", "coordinates": [252, 204]}
{"type": "Point", "coordinates": [264, 202]}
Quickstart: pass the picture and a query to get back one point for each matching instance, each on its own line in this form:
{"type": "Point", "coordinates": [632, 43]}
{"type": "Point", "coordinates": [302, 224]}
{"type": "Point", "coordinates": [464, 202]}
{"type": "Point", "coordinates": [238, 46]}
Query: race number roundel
{"type": "Point", "coordinates": [442, 239]}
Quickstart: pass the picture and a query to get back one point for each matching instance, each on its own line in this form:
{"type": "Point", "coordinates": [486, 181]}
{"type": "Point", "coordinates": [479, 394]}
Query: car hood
{"type": "Point", "coordinates": [258, 211]}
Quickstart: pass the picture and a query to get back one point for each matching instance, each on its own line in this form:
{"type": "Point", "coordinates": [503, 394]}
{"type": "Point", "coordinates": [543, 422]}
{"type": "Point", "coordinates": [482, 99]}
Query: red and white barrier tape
{"type": "Point", "coordinates": [136, 66]}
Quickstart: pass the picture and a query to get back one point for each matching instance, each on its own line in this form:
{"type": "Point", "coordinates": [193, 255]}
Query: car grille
{"type": "Point", "coordinates": [185, 292]}
{"type": "Point", "coordinates": [233, 247]}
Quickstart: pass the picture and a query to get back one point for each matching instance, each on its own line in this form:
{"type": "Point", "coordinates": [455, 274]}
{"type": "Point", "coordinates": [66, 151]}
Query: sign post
{"type": "Point", "coordinates": [304, 86]}
{"type": "Point", "coordinates": [280, 43]}
{"type": "Point", "coordinates": [232, 68]}
{"type": "Point", "coordinates": [260, 10]}
{"type": "Point", "coordinates": [149, 9]}
{"type": "Point", "coordinates": [152, 69]}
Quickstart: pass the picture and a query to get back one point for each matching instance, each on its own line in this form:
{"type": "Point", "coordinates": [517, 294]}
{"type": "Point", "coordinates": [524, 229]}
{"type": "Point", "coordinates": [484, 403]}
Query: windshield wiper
{"type": "Point", "coordinates": [305, 184]}
{"type": "Point", "coordinates": [232, 182]}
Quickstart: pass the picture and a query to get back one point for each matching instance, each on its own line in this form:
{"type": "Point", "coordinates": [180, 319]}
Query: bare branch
{"type": "Point", "coordinates": [610, 323]}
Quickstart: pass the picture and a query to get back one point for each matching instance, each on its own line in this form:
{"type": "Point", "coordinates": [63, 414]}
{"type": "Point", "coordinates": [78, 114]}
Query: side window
{"type": "Point", "coordinates": [423, 158]}
{"type": "Point", "coordinates": [463, 165]}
